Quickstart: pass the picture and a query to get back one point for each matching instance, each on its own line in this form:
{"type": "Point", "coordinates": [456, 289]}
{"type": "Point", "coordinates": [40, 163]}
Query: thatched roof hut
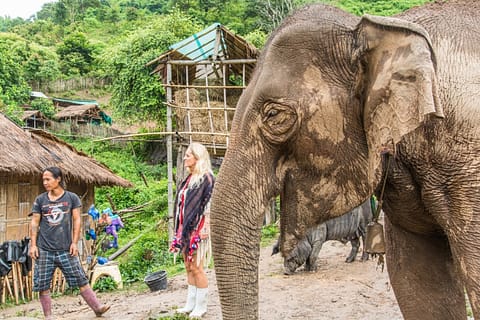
{"type": "Point", "coordinates": [29, 152]}
{"type": "Point", "coordinates": [80, 113]}
{"type": "Point", "coordinates": [25, 154]}
{"type": "Point", "coordinates": [35, 119]}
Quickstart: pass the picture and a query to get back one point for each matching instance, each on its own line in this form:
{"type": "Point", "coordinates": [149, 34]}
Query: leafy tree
{"type": "Point", "coordinates": [14, 89]}
{"type": "Point", "coordinates": [47, 12]}
{"type": "Point", "coordinates": [257, 38]}
{"type": "Point", "coordinates": [76, 54]}
{"type": "Point", "coordinates": [44, 105]}
{"type": "Point", "coordinates": [272, 12]}
{"type": "Point", "coordinates": [7, 23]}
{"type": "Point", "coordinates": [41, 66]}
{"type": "Point", "coordinates": [42, 32]}
{"type": "Point", "coordinates": [136, 93]}
{"type": "Point", "coordinates": [376, 7]}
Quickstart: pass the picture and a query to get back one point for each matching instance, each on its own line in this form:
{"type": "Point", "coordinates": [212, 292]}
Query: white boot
{"type": "Point", "coordinates": [201, 305]}
{"type": "Point", "coordinates": [191, 298]}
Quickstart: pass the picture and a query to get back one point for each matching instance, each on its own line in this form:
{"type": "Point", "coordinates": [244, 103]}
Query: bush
{"type": "Point", "coordinates": [45, 106]}
{"type": "Point", "coordinates": [105, 284]}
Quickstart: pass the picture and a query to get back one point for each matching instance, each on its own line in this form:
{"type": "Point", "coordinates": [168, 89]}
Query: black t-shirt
{"type": "Point", "coordinates": [55, 232]}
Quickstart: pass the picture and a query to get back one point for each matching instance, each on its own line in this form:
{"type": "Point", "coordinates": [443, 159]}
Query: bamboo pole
{"type": "Point", "coordinates": [20, 279]}
{"type": "Point", "coordinates": [199, 108]}
{"type": "Point", "coordinates": [4, 290]}
{"type": "Point", "coordinates": [160, 133]}
{"type": "Point", "coordinates": [202, 87]}
{"type": "Point", "coordinates": [209, 111]}
{"type": "Point", "coordinates": [15, 281]}
{"type": "Point", "coordinates": [189, 122]}
{"type": "Point", "coordinates": [220, 62]}
{"type": "Point", "coordinates": [170, 199]}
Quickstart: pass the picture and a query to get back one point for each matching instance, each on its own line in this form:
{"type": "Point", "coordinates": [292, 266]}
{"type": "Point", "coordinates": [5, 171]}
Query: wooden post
{"type": "Point", "coordinates": [169, 154]}
{"type": "Point", "coordinates": [15, 281]}
{"type": "Point", "coordinates": [20, 280]}
{"type": "Point", "coordinates": [110, 200]}
{"type": "Point", "coordinates": [4, 290]}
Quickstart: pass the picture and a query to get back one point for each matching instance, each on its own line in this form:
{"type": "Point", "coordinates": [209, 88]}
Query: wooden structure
{"type": "Point", "coordinates": [25, 153]}
{"type": "Point", "coordinates": [35, 119]}
{"type": "Point", "coordinates": [204, 76]}
{"type": "Point", "coordinates": [80, 114]}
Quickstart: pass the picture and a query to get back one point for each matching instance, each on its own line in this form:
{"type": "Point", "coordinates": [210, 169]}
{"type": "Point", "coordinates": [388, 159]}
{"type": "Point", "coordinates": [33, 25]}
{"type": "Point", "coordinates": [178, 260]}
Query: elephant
{"type": "Point", "coordinates": [340, 107]}
{"type": "Point", "coordinates": [350, 227]}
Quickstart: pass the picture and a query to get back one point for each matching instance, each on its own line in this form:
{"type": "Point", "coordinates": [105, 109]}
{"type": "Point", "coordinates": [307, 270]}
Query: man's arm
{"type": "Point", "coordinates": [76, 218]}
{"type": "Point", "coordinates": [33, 252]}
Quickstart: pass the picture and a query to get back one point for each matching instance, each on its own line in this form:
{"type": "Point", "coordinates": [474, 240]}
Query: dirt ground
{"type": "Point", "coordinates": [338, 290]}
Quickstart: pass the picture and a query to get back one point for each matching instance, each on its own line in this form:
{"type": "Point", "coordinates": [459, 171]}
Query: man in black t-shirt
{"type": "Point", "coordinates": [55, 231]}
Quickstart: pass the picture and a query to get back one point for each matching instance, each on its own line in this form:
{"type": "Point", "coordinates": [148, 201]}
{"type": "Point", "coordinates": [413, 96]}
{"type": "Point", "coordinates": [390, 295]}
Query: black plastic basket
{"type": "Point", "coordinates": [156, 280]}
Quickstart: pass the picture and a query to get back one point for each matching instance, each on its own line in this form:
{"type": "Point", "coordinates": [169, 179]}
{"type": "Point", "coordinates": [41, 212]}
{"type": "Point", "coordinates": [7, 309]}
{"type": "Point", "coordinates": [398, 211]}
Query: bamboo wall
{"type": "Point", "coordinates": [16, 198]}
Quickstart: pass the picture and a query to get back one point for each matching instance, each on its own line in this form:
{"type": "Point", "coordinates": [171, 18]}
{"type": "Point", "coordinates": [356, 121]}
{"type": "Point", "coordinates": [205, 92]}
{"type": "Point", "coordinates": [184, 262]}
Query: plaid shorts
{"type": "Point", "coordinates": [45, 266]}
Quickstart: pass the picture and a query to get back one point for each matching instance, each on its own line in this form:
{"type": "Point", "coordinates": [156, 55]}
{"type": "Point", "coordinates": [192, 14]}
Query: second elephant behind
{"type": "Point", "coordinates": [349, 227]}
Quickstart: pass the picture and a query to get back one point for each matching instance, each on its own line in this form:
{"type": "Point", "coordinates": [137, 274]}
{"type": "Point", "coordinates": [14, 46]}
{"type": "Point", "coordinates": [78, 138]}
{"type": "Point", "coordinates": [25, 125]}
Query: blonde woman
{"type": "Point", "coordinates": [192, 209]}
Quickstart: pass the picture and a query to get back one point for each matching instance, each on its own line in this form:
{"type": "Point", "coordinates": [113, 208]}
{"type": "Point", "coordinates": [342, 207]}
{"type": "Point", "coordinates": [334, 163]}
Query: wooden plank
{"type": "Point", "coordinates": [3, 192]}
{"type": "Point", "coordinates": [12, 201]}
{"type": "Point", "coordinates": [3, 209]}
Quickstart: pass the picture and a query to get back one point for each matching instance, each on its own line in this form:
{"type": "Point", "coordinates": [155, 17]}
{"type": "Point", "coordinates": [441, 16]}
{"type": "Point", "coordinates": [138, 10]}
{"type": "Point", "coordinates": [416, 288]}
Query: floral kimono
{"type": "Point", "coordinates": [192, 215]}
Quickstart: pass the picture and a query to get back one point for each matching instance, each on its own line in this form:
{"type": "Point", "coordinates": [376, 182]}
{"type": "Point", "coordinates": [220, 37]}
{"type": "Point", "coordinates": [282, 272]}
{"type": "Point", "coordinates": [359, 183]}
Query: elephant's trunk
{"type": "Point", "coordinates": [236, 217]}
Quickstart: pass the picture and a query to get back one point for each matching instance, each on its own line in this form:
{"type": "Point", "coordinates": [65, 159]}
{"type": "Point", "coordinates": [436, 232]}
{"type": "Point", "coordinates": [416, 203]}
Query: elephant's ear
{"type": "Point", "coordinates": [397, 80]}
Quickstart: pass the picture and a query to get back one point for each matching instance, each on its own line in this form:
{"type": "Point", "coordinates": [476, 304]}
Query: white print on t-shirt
{"type": "Point", "coordinates": [54, 214]}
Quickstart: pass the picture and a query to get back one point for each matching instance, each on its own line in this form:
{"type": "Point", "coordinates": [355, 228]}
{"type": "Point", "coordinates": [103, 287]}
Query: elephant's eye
{"type": "Point", "coordinates": [279, 121]}
{"type": "Point", "coordinates": [272, 113]}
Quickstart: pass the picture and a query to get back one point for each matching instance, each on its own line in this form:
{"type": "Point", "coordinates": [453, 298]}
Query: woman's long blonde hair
{"type": "Point", "coordinates": [203, 165]}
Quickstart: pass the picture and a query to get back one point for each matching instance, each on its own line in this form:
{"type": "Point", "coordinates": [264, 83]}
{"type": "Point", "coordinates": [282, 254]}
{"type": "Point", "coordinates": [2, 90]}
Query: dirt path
{"type": "Point", "coordinates": [336, 291]}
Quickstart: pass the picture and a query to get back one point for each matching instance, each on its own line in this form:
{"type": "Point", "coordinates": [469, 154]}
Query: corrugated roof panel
{"type": "Point", "coordinates": [199, 46]}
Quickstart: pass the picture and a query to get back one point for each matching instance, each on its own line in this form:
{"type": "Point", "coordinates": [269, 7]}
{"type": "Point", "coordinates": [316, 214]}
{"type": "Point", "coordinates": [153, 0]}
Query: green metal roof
{"type": "Point", "coordinates": [202, 45]}
{"type": "Point", "coordinates": [76, 102]}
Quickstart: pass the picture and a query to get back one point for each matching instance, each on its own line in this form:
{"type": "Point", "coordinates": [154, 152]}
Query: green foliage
{"type": "Point", "coordinates": [269, 232]}
{"type": "Point", "coordinates": [14, 89]}
{"type": "Point", "coordinates": [135, 92]}
{"type": "Point", "coordinates": [115, 39]}
{"type": "Point", "coordinates": [176, 316]}
{"type": "Point", "coordinates": [76, 54]}
{"type": "Point", "coordinates": [376, 7]}
{"type": "Point", "coordinates": [105, 284]}
{"type": "Point", "coordinates": [41, 66]}
{"type": "Point", "coordinates": [149, 254]}
{"type": "Point", "coordinates": [44, 105]}
{"type": "Point", "coordinates": [257, 38]}
{"type": "Point", "coordinates": [7, 23]}
{"type": "Point", "coordinates": [41, 32]}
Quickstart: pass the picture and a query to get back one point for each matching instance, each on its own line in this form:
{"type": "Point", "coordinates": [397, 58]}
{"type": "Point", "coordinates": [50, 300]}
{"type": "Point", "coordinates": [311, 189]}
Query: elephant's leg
{"type": "Point", "coordinates": [311, 263]}
{"type": "Point", "coordinates": [422, 274]}
{"type": "Point", "coordinates": [355, 242]}
{"type": "Point", "coordinates": [364, 252]}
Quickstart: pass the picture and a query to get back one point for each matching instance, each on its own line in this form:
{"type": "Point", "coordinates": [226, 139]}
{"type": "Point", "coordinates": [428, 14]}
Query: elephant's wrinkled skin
{"type": "Point", "coordinates": [330, 91]}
